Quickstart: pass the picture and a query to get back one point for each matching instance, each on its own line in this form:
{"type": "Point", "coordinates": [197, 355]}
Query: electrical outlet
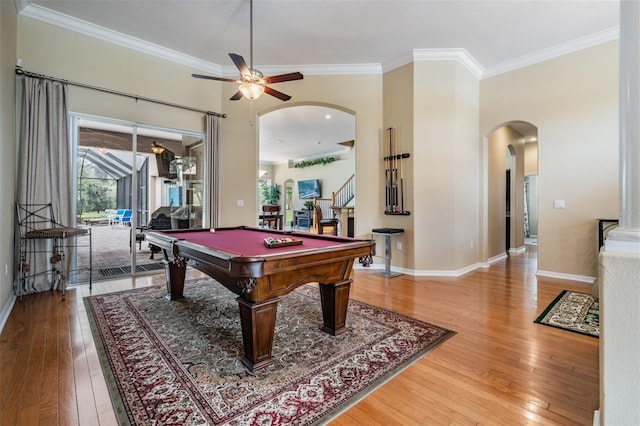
{"type": "Point", "coordinates": [558, 204]}
{"type": "Point", "coordinates": [239, 203]}
{"type": "Point", "coordinates": [399, 245]}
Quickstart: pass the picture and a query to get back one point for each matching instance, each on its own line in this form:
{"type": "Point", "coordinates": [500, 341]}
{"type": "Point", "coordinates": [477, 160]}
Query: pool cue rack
{"type": "Point", "coordinates": [394, 175]}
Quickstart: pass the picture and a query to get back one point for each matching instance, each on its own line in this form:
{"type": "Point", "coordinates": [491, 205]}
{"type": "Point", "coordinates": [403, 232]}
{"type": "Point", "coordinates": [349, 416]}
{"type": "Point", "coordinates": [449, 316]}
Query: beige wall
{"type": "Point", "coordinates": [573, 101]}
{"type": "Point", "coordinates": [65, 54]}
{"type": "Point", "coordinates": [398, 88]}
{"type": "Point", "coordinates": [434, 106]}
{"type": "Point", "coordinates": [8, 31]}
{"type": "Point", "coordinates": [531, 158]}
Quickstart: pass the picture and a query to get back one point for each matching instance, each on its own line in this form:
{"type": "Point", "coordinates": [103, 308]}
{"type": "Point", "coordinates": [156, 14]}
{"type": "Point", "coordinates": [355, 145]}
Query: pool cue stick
{"type": "Point", "coordinates": [395, 171]}
{"type": "Point", "coordinates": [390, 206]}
{"type": "Point", "coordinates": [389, 168]}
{"type": "Point", "coordinates": [386, 172]}
{"type": "Point", "coordinates": [401, 184]}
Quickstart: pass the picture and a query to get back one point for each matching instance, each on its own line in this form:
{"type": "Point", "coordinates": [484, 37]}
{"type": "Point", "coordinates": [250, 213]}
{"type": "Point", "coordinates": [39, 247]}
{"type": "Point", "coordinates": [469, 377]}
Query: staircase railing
{"type": "Point", "coordinates": [345, 193]}
{"type": "Point", "coordinates": [331, 207]}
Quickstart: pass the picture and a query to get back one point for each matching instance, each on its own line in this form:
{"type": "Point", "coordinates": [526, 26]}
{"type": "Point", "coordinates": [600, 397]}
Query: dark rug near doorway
{"type": "Point", "coordinates": [178, 362]}
{"type": "Point", "coordinates": [126, 270]}
{"type": "Point", "coordinates": [577, 312]}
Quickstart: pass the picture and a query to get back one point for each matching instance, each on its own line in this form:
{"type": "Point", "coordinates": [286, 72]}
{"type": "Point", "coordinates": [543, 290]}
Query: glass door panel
{"type": "Point", "coordinates": [130, 179]}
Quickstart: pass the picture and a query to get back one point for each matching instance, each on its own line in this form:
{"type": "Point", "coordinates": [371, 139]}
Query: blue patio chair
{"type": "Point", "coordinates": [123, 218]}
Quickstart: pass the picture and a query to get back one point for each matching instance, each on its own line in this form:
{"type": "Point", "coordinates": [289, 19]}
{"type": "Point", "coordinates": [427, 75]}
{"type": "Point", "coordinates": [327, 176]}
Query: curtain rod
{"type": "Point", "coordinates": [20, 71]}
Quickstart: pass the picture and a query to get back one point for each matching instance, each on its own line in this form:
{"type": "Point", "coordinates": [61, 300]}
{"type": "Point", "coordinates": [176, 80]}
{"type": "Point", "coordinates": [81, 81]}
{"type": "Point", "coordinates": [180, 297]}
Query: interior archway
{"type": "Point", "coordinates": [519, 139]}
{"type": "Point", "coordinates": [306, 142]}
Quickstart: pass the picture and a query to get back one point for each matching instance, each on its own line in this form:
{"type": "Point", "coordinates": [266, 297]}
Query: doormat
{"type": "Point", "coordinates": [572, 311]}
{"type": "Point", "coordinates": [126, 270]}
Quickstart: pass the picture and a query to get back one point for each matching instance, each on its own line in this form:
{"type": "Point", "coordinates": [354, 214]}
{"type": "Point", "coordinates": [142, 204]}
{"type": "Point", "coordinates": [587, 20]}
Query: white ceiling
{"type": "Point", "coordinates": [320, 130]}
{"type": "Point", "coordinates": [346, 36]}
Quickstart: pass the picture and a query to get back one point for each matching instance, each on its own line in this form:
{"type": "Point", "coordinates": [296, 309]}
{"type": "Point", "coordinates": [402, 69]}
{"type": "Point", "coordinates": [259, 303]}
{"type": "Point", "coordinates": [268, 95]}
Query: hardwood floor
{"type": "Point", "coordinates": [500, 367]}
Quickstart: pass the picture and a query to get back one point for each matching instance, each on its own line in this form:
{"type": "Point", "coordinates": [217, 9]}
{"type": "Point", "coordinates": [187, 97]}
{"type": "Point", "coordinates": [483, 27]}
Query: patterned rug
{"type": "Point", "coordinates": [574, 312]}
{"type": "Point", "coordinates": [179, 362]}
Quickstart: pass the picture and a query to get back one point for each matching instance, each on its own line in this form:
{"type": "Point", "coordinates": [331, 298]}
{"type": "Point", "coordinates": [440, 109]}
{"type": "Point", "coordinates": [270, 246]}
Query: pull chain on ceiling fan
{"type": "Point", "coordinates": [252, 82]}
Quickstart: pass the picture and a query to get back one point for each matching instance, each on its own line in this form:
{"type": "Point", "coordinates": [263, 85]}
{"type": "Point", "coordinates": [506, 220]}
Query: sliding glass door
{"type": "Point", "coordinates": [130, 179]}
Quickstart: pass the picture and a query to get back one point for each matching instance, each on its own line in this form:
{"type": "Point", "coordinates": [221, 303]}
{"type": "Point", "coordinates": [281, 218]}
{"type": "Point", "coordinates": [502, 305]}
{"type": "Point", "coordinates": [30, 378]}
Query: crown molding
{"type": "Point", "coordinates": [21, 4]}
{"type": "Point", "coordinates": [61, 20]}
{"type": "Point", "coordinates": [458, 54]}
{"type": "Point", "coordinates": [554, 52]}
{"type": "Point", "coordinates": [427, 55]}
{"type": "Point", "coordinates": [397, 62]}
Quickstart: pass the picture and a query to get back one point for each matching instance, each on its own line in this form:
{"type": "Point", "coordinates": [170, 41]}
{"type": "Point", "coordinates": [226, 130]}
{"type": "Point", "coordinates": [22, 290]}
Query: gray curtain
{"type": "Point", "coordinates": [212, 151]}
{"type": "Point", "coordinates": [44, 162]}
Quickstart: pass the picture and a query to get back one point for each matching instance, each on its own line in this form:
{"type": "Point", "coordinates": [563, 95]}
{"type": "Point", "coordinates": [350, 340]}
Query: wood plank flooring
{"type": "Point", "coordinates": [500, 367]}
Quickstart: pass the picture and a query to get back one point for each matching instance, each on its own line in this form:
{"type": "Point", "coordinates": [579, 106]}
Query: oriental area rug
{"type": "Point", "coordinates": [178, 362]}
{"type": "Point", "coordinates": [573, 311]}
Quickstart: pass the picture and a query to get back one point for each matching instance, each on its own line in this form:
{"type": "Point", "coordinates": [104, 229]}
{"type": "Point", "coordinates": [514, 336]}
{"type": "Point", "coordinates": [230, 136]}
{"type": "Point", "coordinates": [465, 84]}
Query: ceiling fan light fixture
{"type": "Point", "coordinates": [251, 90]}
{"type": "Point", "coordinates": [156, 148]}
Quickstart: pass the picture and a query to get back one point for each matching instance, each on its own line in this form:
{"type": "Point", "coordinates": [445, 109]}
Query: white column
{"type": "Point", "coordinates": [620, 261]}
{"type": "Point", "coordinates": [626, 238]}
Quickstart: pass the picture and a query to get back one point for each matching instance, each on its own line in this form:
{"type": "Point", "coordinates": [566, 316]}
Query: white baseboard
{"type": "Point", "coordinates": [495, 259]}
{"type": "Point", "coordinates": [467, 269]}
{"type": "Point", "coordinates": [518, 250]}
{"type": "Point", "coordinates": [6, 310]}
{"type": "Point", "coordinates": [423, 272]}
{"type": "Point", "coordinates": [581, 278]}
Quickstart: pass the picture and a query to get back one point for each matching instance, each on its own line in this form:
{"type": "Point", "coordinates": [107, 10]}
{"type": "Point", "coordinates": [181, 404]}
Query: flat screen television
{"type": "Point", "coordinates": [308, 189]}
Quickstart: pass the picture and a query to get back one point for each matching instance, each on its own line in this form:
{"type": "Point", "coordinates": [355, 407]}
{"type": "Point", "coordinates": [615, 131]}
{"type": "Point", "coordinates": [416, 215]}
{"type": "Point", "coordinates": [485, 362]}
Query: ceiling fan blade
{"type": "Point", "coordinates": [275, 93]}
{"type": "Point", "coordinates": [209, 77]}
{"type": "Point", "coordinates": [240, 64]}
{"type": "Point", "coordinates": [284, 77]}
{"type": "Point", "coordinates": [236, 97]}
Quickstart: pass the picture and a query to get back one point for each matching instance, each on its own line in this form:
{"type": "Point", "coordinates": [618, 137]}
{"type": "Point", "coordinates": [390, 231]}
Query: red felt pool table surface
{"type": "Point", "coordinates": [250, 241]}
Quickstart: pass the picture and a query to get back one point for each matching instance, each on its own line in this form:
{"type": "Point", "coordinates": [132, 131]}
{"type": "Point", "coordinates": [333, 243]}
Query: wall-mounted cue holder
{"type": "Point", "coordinates": [394, 176]}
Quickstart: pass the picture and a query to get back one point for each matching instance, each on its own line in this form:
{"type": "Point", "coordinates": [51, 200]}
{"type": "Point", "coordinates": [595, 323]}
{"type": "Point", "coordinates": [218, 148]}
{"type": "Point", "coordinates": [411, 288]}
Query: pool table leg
{"type": "Point", "coordinates": [335, 299]}
{"type": "Point", "coordinates": [258, 322]}
{"type": "Point", "coordinates": [175, 273]}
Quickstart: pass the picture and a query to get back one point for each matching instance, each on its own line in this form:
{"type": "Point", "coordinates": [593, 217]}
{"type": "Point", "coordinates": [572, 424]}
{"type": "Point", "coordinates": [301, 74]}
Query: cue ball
{"type": "Point", "coordinates": [212, 230]}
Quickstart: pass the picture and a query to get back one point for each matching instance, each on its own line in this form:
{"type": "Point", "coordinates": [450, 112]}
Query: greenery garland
{"type": "Point", "coordinates": [308, 163]}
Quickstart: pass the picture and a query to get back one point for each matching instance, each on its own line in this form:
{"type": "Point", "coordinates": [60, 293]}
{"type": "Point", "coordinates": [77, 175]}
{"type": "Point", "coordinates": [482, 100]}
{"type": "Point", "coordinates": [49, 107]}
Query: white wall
{"type": "Point", "coordinates": [620, 339]}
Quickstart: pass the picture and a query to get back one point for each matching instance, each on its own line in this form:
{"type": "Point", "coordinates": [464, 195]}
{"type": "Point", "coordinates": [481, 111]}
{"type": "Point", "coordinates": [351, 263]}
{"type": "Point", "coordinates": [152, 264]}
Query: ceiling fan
{"type": "Point", "coordinates": [252, 82]}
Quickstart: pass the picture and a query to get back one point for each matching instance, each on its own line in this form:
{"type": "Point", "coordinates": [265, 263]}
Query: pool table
{"type": "Point", "coordinates": [239, 259]}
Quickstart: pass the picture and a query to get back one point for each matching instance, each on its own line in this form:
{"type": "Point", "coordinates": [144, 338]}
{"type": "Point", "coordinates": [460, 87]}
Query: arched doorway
{"type": "Point", "coordinates": [306, 142]}
{"type": "Point", "coordinates": [510, 206]}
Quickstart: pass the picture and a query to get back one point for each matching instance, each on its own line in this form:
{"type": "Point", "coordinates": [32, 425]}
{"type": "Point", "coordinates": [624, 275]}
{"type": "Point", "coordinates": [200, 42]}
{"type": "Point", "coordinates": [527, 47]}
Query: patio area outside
{"type": "Point", "coordinates": [111, 254]}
